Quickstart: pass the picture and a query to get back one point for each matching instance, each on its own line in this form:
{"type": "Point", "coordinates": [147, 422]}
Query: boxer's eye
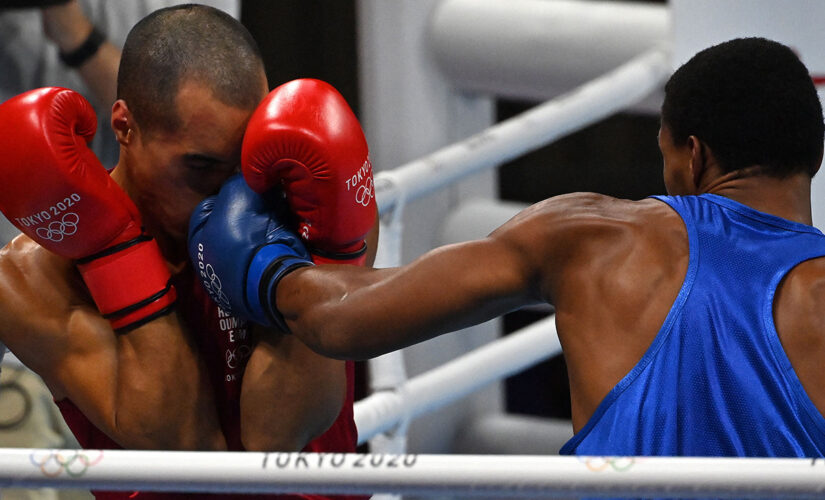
{"type": "Point", "coordinates": [201, 165]}
{"type": "Point", "coordinates": [202, 162]}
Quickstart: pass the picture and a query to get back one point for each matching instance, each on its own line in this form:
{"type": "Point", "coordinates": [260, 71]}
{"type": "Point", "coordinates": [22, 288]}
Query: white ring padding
{"type": "Point", "coordinates": [536, 49]}
{"type": "Point", "coordinates": [455, 379]}
{"type": "Point", "coordinates": [597, 99]}
{"type": "Point", "coordinates": [477, 475]}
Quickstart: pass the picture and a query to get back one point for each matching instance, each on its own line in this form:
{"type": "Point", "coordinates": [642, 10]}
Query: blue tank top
{"type": "Point", "coordinates": [716, 380]}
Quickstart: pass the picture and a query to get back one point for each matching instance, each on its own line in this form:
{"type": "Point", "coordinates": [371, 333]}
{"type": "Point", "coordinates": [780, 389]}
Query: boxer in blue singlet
{"type": "Point", "coordinates": [692, 324]}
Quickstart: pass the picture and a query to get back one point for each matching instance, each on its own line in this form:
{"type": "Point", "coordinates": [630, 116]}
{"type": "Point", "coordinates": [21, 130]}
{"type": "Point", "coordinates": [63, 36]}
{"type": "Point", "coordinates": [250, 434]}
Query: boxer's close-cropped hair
{"type": "Point", "coordinates": [752, 101]}
{"type": "Point", "coordinates": [185, 42]}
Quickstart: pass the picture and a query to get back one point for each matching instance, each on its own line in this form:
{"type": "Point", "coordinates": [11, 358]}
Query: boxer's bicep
{"type": "Point", "coordinates": [78, 368]}
{"type": "Point", "coordinates": [290, 394]}
{"type": "Point", "coordinates": [39, 311]}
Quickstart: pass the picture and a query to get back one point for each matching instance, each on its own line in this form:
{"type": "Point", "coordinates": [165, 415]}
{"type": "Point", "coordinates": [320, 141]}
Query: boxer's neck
{"type": "Point", "coordinates": [788, 197]}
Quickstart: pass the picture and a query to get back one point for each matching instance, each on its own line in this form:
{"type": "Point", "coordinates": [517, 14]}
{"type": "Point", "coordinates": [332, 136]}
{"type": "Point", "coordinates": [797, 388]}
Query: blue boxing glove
{"type": "Point", "coordinates": [241, 249]}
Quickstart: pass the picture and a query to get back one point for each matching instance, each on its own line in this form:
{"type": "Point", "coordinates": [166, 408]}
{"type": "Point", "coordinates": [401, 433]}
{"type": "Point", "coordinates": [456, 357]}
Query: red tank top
{"type": "Point", "coordinates": [225, 345]}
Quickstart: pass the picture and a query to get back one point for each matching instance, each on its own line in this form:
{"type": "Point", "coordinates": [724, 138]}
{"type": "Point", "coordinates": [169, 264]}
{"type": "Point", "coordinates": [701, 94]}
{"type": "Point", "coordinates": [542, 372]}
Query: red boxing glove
{"type": "Point", "coordinates": [305, 139]}
{"type": "Point", "coordinates": [56, 191]}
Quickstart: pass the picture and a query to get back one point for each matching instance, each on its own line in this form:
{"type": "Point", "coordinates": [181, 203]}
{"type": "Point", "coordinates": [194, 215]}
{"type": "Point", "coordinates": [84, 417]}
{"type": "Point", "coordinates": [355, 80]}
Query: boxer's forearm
{"type": "Point", "coordinates": [355, 313]}
{"type": "Point", "coordinates": [290, 395]}
{"type": "Point", "coordinates": [163, 397]}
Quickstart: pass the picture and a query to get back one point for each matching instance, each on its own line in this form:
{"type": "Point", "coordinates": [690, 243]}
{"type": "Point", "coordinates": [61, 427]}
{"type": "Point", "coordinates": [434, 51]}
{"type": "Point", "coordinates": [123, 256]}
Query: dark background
{"type": "Point", "coordinates": [618, 156]}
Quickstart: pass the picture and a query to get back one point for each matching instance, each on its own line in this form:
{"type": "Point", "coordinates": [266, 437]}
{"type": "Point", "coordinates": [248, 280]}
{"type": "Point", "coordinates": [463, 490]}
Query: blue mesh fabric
{"type": "Point", "coordinates": [716, 380]}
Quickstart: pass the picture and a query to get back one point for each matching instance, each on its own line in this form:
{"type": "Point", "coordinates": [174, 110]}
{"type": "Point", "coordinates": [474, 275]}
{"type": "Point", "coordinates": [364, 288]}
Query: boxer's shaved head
{"type": "Point", "coordinates": [187, 42]}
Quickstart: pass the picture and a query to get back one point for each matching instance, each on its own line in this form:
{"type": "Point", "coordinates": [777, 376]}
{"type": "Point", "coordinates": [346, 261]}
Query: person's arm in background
{"type": "Point", "coordinates": [68, 27]}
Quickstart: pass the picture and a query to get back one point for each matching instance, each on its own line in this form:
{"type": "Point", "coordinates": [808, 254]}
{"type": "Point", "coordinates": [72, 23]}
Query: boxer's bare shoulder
{"type": "Point", "coordinates": [800, 323]}
{"type": "Point", "coordinates": [612, 269]}
{"type": "Point", "coordinates": [570, 238]}
{"type": "Point", "coordinates": [45, 312]}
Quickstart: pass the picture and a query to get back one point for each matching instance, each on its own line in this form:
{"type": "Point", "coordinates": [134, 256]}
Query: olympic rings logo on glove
{"type": "Point", "coordinates": [213, 286]}
{"type": "Point", "coordinates": [57, 230]}
{"type": "Point", "coordinates": [52, 463]}
{"type": "Point", "coordinates": [365, 193]}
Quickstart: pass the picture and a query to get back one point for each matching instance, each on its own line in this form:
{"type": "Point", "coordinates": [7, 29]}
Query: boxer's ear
{"type": "Point", "coordinates": [698, 159]}
{"type": "Point", "coordinates": [122, 122]}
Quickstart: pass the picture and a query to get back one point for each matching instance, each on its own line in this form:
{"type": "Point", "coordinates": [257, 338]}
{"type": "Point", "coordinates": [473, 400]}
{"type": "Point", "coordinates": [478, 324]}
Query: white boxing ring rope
{"type": "Point", "coordinates": [474, 475]}
{"type": "Point", "coordinates": [613, 92]}
{"type": "Point", "coordinates": [498, 476]}
{"type": "Point", "coordinates": [498, 359]}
